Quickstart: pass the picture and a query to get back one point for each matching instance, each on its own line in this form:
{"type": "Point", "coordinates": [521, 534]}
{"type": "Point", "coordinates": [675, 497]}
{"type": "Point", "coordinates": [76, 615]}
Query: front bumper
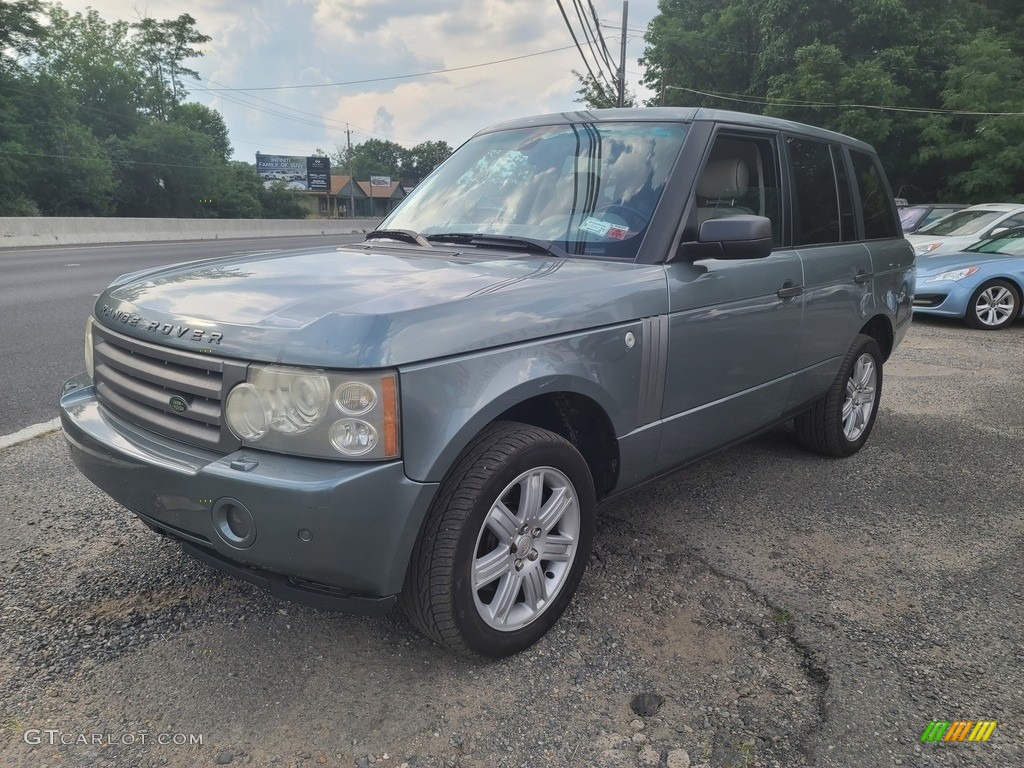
{"type": "Point", "coordinates": [946, 298]}
{"type": "Point", "coordinates": [330, 534]}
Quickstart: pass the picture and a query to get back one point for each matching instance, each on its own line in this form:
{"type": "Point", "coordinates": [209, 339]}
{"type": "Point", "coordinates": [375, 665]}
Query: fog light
{"type": "Point", "coordinates": [234, 523]}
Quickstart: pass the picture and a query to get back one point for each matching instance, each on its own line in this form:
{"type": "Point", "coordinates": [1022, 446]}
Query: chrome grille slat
{"type": "Point", "coordinates": [189, 431]}
{"type": "Point", "coordinates": [168, 375]}
{"type": "Point", "coordinates": [136, 380]}
{"type": "Point", "coordinates": [201, 409]}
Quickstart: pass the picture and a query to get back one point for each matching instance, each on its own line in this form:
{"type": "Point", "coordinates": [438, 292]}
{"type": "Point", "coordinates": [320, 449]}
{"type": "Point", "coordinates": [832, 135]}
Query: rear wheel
{"type": "Point", "coordinates": [994, 305]}
{"type": "Point", "coordinates": [839, 423]}
{"type": "Point", "coordinates": [505, 542]}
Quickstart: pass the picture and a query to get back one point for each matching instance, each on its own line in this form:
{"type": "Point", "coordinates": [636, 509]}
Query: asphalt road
{"type": "Point", "coordinates": [790, 610]}
{"type": "Point", "coordinates": [47, 293]}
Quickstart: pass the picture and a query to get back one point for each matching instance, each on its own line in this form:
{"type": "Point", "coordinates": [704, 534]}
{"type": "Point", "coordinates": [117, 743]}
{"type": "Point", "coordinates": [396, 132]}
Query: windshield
{"type": "Point", "coordinates": [1008, 244]}
{"type": "Point", "coordinates": [910, 216]}
{"type": "Point", "coordinates": [962, 223]}
{"type": "Point", "coordinates": [588, 189]}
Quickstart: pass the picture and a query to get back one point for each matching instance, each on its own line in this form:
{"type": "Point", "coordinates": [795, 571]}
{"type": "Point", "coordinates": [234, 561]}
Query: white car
{"type": "Point", "coordinates": [958, 230]}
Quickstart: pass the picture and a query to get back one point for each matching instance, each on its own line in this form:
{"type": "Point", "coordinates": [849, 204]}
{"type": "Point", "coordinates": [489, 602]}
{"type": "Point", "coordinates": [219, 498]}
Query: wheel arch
{"type": "Point", "coordinates": [582, 422]}
{"type": "Point", "coordinates": [1016, 282]}
{"type": "Point", "coordinates": [570, 406]}
{"type": "Point", "coordinates": [880, 329]}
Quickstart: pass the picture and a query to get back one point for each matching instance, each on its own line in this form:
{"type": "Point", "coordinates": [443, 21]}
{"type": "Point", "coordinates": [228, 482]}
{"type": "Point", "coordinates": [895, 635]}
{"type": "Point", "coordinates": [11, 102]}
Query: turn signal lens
{"type": "Point", "coordinates": [389, 401]}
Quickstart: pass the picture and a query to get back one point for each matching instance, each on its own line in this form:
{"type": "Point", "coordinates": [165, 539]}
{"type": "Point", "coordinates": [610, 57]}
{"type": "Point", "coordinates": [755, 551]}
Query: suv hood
{"type": "Point", "coordinates": [373, 306]}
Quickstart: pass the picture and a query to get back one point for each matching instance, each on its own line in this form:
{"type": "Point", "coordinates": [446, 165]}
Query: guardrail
{"type": "Point", "coordinates": [26, 231]}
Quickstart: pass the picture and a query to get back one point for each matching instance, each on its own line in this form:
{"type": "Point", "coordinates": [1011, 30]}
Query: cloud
{"type": "Point", "coordinates": [302, 42]}
{"type": "Point", "coordinates": [383, 121]}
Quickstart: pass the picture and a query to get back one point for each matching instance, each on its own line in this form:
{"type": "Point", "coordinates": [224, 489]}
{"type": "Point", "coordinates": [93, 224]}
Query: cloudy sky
{"type": "Point", "coordinates": [266, 44]}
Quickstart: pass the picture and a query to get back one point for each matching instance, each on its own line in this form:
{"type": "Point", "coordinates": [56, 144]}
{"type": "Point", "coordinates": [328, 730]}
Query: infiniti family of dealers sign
{"type": "Point", "coordinates": [295, 172]}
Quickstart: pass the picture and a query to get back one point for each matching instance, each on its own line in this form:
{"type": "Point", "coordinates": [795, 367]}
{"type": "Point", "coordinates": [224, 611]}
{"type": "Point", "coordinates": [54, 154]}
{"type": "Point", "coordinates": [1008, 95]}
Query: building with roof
{"type": "Point", "coordinates": [354, 199]}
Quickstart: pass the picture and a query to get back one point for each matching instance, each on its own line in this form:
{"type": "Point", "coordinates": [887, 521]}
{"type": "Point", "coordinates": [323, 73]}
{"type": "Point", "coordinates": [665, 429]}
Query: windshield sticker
{"type": "Point", "coordinates": [595, 226]}
{"type": "Point", "coordinates": [619, 233]}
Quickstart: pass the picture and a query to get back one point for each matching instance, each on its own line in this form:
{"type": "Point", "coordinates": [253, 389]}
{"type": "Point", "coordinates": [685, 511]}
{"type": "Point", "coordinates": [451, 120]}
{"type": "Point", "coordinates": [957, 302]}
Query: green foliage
{"type": "Point", "coordinates": [279, 202]}
{"type": "Point", "coordinates": [375, 157]}
{"type": "Point", "coordinates": [833, 62]}
{"type": "Point", "coordinates": [595, 94]}
{"type": "Point", "coordinates": [161, 47]}
{"type": "Point", "coordinates": [19, 32]}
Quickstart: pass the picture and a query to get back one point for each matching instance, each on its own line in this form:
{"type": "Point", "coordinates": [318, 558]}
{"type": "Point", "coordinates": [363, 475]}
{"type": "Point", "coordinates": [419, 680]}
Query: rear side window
{"type": "Point", "coordinates": [818, 202]}
{"type": "Point", "coordinates": [879, 221]}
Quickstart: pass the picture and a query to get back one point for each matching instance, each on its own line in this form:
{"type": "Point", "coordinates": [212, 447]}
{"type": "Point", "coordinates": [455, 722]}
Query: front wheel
{"type": "Point", "coordinates": [505, 543]}
{"type": "Point", "coordinates": [994, 305]}
{"type": "Point", "coordinates": [840, 422]}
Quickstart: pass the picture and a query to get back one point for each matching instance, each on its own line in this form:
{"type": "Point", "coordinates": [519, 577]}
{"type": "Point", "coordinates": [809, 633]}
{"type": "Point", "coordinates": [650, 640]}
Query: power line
{"type": "Point", "coordinates": [821, 104]}
{"type": "Point", "coordinates": [600, 36]}
{"type": "Point", "coordinates": [322, 118]}
{"type": "Point", "coordinates": [583, 56]}
{"type": "Point", "coordinates": [591, 37]}
{"type": "Point", "coordinates": [396, 77]}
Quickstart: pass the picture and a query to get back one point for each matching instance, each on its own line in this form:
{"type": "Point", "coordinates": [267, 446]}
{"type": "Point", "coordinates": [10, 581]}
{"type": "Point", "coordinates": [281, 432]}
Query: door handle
{"type": "Point", "coordinates": [789, 291]}
{"type": "Point", "coordinates": [863, 277]}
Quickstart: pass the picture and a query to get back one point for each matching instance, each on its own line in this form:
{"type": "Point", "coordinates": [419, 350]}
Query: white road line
{"type": "Point", "coordinates": [6, 441]}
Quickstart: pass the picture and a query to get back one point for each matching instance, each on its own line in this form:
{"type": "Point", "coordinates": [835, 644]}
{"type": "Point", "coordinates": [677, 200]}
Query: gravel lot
{"type": "Point", "coordinates": [779, 609]}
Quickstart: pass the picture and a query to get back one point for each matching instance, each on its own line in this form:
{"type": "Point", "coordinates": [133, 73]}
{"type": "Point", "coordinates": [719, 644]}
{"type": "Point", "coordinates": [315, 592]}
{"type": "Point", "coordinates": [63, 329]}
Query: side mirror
{"type": "Point", "coordinates": [997, 231]}
{"type": "Point", "coordinates": [731, 237]}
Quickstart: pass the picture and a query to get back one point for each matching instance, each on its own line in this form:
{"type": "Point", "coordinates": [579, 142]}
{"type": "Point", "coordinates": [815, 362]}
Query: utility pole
{"type": "Point", "coordinates": [351, 178]}
{"type": "Point", "coordinates": [622, 56]}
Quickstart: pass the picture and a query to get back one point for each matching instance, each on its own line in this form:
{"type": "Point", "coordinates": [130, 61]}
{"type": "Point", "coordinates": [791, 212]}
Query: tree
{"type": "Point", "coordinates": [879, 70]}
{"type": "Point", "coordinates": [98, 65]}
{"type": "Point", "coordinates": [596, 95]}
{"type": "Point", "coordinates": [19, 32]}
{"type": "Point", "coordinates": [162, 46]}
{"type": "Point", "coordinates": [279, 202]}
{"type": "Point", "coordinates": [422, 159]}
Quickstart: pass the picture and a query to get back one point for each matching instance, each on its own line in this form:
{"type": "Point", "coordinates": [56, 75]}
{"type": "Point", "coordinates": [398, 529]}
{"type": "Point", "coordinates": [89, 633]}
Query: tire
{"type": "Point", "coordinates": [840, 422]}
{"type": "Point", "coordinates": [478, 580]}
{"type": "Point", "coordinates": [994, 305]}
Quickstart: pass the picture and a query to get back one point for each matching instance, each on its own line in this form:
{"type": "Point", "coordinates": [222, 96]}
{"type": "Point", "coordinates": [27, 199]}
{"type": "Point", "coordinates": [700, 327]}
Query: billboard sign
{"type": "Point", "coordinates": [295, 171]}
{"type": "Point", "coordinates": [380, 181]}
{"type": "Point", "coordinates": [318, 173]}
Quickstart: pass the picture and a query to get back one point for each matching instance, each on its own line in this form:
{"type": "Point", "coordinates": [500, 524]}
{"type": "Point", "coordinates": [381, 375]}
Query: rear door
{"type": "Point", "coordinates": [837, 266]}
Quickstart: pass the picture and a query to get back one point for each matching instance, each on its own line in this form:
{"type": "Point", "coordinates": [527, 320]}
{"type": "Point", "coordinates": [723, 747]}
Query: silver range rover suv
{"type": "Point", "coordinates": [570, 305]}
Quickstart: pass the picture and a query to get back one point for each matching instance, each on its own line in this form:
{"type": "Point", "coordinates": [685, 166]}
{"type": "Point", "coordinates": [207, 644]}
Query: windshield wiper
{"type": "Point", "coordinates": [501, 241]}
{"type": "Point", "coordinates": [405, 235]}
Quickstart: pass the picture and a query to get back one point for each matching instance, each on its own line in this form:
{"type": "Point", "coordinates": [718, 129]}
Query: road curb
{"type": "Point", "coordinates": [36, 430]}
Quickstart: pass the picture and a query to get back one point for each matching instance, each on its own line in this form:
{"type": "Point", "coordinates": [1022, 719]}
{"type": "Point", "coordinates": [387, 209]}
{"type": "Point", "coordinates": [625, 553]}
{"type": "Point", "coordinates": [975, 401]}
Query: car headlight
{"type": "Point", "coordinates": [89, 364]}
{"type": "Point", "coordinates": [312, 412]}
{"type": "Point", "coordinates": [925, 248]}
{"type": "Point", "coordinates": [953, 274]}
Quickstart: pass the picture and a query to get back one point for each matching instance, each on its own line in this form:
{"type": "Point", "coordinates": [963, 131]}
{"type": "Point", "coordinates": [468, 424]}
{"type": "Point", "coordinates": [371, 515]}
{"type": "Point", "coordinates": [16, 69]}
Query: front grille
{"type": "Point", "coordinates": [929, 299]}
{"type": "Point", "coordinates": [137, 381]}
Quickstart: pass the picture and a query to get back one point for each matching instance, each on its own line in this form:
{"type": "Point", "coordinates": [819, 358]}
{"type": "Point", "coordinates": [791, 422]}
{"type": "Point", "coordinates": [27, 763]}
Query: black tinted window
{"type": "Point", "coordinates": [816, 198]}
{"type": "Point", "coordinates": [879, 221]}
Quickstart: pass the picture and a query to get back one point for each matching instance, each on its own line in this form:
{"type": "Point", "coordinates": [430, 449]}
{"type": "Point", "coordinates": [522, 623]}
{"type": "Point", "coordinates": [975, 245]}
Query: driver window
{"type": "Point", "coordinates": [741, 176]}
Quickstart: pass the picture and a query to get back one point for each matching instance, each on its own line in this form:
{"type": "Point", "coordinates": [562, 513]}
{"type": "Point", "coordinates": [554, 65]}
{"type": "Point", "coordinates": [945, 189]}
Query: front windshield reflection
{"type": "Point", "coordinates": [589, 189]}
{"type": "Point", "coordinates": [1010, 244]}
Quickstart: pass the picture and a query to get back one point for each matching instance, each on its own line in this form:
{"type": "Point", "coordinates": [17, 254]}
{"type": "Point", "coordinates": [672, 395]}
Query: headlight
{"type": "Point", "coordinates": [924, 248]}
{"type": "Point", "coordinates": [311, 412]}
{"type": "Point", "coordinates": [89, 364]}
{"type": "Point", "coordinates": [953, 274]}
